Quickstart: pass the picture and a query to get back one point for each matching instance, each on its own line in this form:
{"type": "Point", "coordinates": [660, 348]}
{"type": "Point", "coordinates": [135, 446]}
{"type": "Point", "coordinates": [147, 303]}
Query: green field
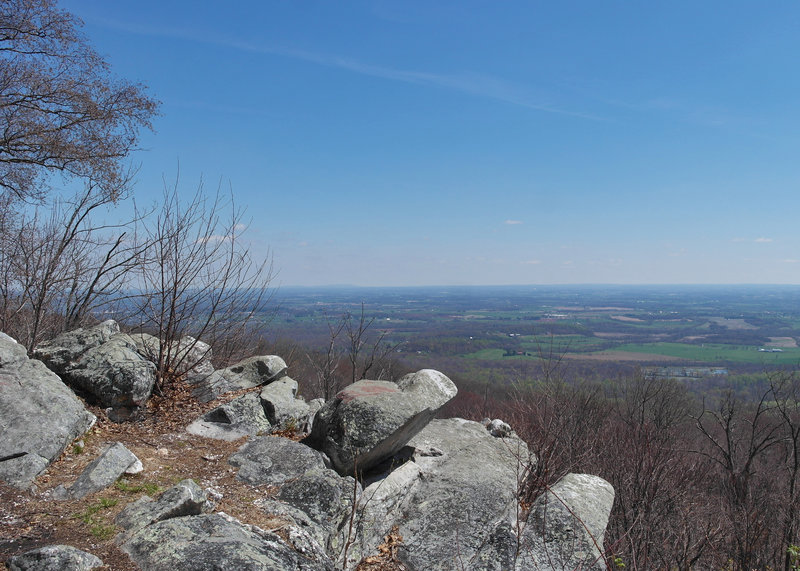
{"type": "Point", "coordinates": [715, 353]}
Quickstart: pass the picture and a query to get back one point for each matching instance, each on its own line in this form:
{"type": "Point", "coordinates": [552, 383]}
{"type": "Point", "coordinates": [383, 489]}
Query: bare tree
{"type": "Point", "coordinates": [58, 267]}
{"type": "Point", "coordinates": [741, 440]}
{"type": "Point", "coordinates": [350, 340]}
{"type": "Point", "coordinates": [61, 109]}
{"type": "Point", "coordinates": [197, 277]}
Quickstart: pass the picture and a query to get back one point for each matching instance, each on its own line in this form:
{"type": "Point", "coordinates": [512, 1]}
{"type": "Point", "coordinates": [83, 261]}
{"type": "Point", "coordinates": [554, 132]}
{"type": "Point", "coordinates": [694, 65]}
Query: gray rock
{"type": "Point", "coordinates": [327, 499]}
{"type": "Point", "coordinates": [103, 470]}
{"type": "Point", "coordinates": [54, 558]}
{"type": "Point", "coordinates": [245, 374]}
{"type": "Point", "coordinates": [62, 352]}
{"type": "Point", "coordinates": [370, 421]}
{"type": "Point", "coordinates": [11, 352]}
{"type": "Point", "coordinates": [498, 428]}
{"type": "Point", "coordinates": [468, 482]}
{"type": "Point", "coordinates": [183, 499]}
{"type": "Point", "coordinates": [273, 460]}
{"type": "Point", "coordinates": [243, 416]}
{"type": "Point", "coordinates": [39, 415]}
{"type": "Point", "coordinates": [114, 373]}
{"type": "Point", "coordinates": [214, 541]}
{"type": "Point", "coordinates": [304, 535]}
{"type": "Point", "coordinates": [284, 410]}
{"type": "Point", "coordinates": [566, 525]}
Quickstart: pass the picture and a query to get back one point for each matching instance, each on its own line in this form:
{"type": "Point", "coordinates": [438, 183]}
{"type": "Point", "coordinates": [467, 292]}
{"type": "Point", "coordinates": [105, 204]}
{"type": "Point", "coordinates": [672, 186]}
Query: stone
{"type": "Point", "coordinates": [246, 374]}
{"type": "Point", "coordinates": [39, 415]}
{"type": "Point", "coordinates": [183, 499]}
{"type": "Point", "coordinates": [370, 421]}
{"type": "Point", "coordinates": [498, 428]}
{"type": "Point", "coordinates": [214, 541]}
{"type": "Point", "coordinates": [54, 558]}
{"type": "Point", "coordinates": [61, 353]}
{"type": "Point", "coordinates": [327, 499]}
{"type": "Point", "coordinates": [274, 460]}
{"type": "Point", "coordinates": [103, 470]}
{"type": "Point", "coordinates": [241, 417]}
{"type": "Point", "coordinates": [284, 410]}
{"type": "Point", "coordinates": [468, 481]}
{"type": "Point", "coordinates": [114, 373]}
{"type": "Point", "coordinates": [567, 524]}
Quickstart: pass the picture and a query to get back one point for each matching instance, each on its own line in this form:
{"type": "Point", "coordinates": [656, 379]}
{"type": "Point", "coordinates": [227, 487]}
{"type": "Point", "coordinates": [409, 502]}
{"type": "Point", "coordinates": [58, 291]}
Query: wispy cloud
{"type": "Point", "coordinates": [469, 82]}
{"type": "Point", "coordinates": [531, 262]}
{"type": "Point", "coordinates": [761, 240]}
{"type": "Point", "coordinates": [512, 222]}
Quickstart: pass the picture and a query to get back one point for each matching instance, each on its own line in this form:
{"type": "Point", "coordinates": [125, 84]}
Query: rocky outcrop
{"type": "Point", "coordinates": [39, 415]}
{"type": "Point", "coordinates": [282, 406]}
{"type": "Point", "coordinates": [246, 374]}
{"type": "Point", "coordinates": [103, 363]}
{"type": "Point", "coordinates": [370, 421]}
{"type": "Point", "coordinates": [61, 353]}
{"type": "Point", "coordinates": [447, 490]}
{"type": "Point", "coordinates": [459, 482]}
{"type": "Point", "coordinates": [54, 558]}
{"type": "Point", "coordinates": [114, 374]}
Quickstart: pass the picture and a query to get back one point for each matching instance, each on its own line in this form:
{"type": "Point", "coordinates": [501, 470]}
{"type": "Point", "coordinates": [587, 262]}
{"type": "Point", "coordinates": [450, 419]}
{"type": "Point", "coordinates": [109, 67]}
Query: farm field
{"type": "Point", "coordinates": [747, 328]}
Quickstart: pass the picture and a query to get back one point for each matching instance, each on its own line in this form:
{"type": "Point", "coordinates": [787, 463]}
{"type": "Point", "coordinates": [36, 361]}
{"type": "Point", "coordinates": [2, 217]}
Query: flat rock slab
{"type": "Point", "coordinates": [243, 416]}
{"type": "Point", "coordinates": [246, 374]}
{"type": "Point", "coordinates": [39, 415]}
{"type": "Point", "coordinates": [274, 460]}
{"type": "Point", "coordinates": [370, 421]}
{"type": "Point", "coordinates": [54, 558]}
{"type": "Point", "coordinates": [183, 499]}
{"type": "Point", "coordinates": [214, 541]}
{"type": "Point", "coordinates": [103, 471]}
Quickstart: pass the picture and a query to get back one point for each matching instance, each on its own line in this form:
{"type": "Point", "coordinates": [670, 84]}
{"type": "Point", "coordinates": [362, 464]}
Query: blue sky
{"type": "Point", "coordinates": [471, 142]}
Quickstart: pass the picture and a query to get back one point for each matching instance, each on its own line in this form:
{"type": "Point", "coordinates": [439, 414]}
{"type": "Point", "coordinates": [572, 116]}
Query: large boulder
{"type": "Point", "coordinates": [54, 558]}
{"type": "Point", "coordinates": [246, 374]}
{"type": "Point", "coordinates": [567, 525]}
{"type": "Point", "coordinates": [319, 502]}
{"type": "Point", "coordinates": [62, 352]}
{"type": "Point", "coordinates": [448, 498]}
{"type": "Point", "coordinates": [370, 421]}
{"type": "Point", "coordinates": [39, 415]}
{"type": "Point", "coordinates": [243, 416]}
{"type": "Point", "coordinates": [274, 460]}
{"type": "Point", "coordinates": [284, 410]}
{"type": "Point", "coordinates": [214, 541]}
{"type": "Point", "coordinates": [114, 373]}
{"type": "Point", "coordinates": [172, 533]}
